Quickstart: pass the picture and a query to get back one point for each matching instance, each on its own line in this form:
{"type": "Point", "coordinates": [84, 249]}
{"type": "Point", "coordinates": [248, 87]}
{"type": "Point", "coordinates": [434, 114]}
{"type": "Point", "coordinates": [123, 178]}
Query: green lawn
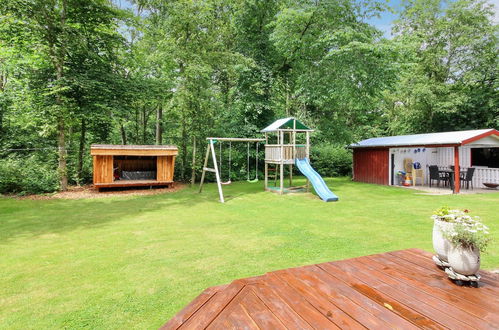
{"type": "Point", "coordinates": [135, 261]}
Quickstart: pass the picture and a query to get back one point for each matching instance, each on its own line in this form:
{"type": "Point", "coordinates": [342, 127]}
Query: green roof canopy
{"type": "Point", "coordinates": [285, 123]}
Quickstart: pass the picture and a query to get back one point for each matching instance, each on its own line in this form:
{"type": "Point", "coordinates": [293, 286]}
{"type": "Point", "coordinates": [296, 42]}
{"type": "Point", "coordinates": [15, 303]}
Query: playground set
{"type": "Point", "coordinates": [281, 149]}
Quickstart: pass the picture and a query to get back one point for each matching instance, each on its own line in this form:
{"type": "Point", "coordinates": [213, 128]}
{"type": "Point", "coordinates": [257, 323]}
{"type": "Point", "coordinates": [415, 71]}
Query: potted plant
{"type": "Point", "coordinates": [444, 219]}
{"type": "Point", "coordinates": [468, 237]}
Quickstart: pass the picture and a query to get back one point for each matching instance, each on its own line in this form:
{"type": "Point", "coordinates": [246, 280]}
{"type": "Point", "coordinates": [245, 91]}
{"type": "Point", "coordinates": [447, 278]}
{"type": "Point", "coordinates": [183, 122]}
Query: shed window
{"type": "Point", "coordinates": [485, 157]}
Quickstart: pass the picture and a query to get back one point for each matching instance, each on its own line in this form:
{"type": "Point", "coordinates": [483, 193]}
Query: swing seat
{"type": "Point", "coordinates": [253, 181]}
{"type": "Point", "coordinates": [226, 182]}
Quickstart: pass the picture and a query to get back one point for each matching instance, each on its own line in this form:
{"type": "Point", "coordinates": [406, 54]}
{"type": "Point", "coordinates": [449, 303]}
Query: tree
{"type": "Point", "coordinates": [450, 81]}
{"type": "Point", "coordinates": [60, 31]}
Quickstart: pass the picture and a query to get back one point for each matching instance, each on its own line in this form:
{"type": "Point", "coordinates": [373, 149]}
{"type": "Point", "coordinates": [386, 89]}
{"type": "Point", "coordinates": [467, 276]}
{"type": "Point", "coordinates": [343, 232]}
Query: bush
{"type": "Point", "coordinates": [27, 176]}
{"type": "Point", "coordinates": [331, 160]}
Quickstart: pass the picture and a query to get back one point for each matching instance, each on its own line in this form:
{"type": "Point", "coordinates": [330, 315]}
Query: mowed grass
{"type": "Point", "coordinates": [133, 262]}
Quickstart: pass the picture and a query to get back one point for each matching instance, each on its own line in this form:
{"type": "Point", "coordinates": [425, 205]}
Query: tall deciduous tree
{"type": "Point", "coordinates": [60, 31]}
{"type": "Point", "coordinates": [451, 78]}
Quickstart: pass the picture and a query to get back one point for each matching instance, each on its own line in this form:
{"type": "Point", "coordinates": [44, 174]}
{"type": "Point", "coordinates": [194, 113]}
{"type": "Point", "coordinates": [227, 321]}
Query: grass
{"type": "Point", "coordinates": [133, 262]}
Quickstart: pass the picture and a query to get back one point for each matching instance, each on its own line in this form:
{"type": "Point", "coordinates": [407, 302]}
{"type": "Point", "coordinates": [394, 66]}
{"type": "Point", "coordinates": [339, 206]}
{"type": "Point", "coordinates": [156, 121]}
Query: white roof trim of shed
{"type": "Point", "coordinates": [434, 139]}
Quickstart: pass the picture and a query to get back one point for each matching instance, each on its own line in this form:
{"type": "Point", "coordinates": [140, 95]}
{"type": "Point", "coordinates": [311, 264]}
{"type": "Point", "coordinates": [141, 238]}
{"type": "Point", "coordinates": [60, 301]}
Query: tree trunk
{"type": "Point", "coordinates": [184, 150]}
{"type": "Point", "coordinates": [81, 150]}
{"type": "Point", "coordinates": [144, 125]}
{"type": "Point", "coordinates": [159, 124]}
{"type": "Point", "coordinates": [193, 167]}
{"type": "Point", "coordinates": [61, 120]}
{"type": "Point", "coordinates": [123, 134]}
{"type": "Point", "coordinates": [61, 143]}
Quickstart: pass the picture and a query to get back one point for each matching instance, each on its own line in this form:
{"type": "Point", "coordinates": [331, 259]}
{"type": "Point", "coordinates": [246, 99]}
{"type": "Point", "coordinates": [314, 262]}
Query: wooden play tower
{"type": "Point", "coordinates": [286, 140]}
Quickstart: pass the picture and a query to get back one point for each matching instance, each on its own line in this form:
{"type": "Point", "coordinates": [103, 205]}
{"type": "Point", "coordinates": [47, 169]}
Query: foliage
{"type": "Point", "coordinates": [331, 160]}
{"type": "Point", "coordinates": [27, 176]}
{"type": "Point", "coordinates": [468, 233]}
{"type": "Point", "coordinates": [73, 73]}
{"type": "Point", "coordinates": [451, 61]}
{"type": "Point", "coordinates": [447, 214]}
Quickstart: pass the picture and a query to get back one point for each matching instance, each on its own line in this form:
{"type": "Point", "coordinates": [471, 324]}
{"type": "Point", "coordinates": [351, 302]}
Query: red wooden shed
{"type": "Point", "coordinates": [377, 160]}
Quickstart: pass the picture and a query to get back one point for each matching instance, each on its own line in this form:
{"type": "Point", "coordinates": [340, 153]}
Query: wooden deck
{"type": "Point", "coordinates": [132, 183]}
{"type": "Point", "coordinates": [401, 289]}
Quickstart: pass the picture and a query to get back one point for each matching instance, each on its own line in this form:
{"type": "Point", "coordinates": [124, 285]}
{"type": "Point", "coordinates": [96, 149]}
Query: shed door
{"type": "Point", "coordinates": [371, 165]}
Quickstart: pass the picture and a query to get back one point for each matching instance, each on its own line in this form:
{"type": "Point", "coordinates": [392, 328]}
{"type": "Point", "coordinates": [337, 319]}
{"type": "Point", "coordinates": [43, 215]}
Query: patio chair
{"type": "Point", "coordinates": [468, 178]}
{"type": "Point", "coordinates": [435, 175]}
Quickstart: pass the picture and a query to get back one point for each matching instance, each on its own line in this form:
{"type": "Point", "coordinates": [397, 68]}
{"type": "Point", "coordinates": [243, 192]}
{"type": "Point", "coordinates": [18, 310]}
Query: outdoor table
{"type": "Point", "coordinates": [450, 174]}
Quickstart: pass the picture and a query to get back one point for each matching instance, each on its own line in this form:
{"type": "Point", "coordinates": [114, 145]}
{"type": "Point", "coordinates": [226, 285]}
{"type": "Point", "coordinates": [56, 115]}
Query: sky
{"type": "Point", "coordinates": [383, 23]}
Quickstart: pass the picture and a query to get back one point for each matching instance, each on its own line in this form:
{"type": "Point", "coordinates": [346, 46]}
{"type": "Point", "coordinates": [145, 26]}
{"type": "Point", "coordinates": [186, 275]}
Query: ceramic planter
{"type": "Point", "coordinates": [440, 244]}
{"type": "Point", "coordinates": [464, 261]}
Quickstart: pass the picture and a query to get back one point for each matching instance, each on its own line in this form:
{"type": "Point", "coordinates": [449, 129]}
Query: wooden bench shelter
{"type": "Point", "coordinates": [400, 289]}
{"type": "Point", "coordinates": [133, 165]}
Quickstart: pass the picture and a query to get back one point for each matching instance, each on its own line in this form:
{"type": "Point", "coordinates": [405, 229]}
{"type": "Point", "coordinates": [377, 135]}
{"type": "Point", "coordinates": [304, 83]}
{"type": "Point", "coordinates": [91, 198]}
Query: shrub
{"type": "Point", "coordinates": [469, 235]}
{"type": "Point", "coordinates": [27, 176]}
{"type": "Point", "coordinates": [331, 160]}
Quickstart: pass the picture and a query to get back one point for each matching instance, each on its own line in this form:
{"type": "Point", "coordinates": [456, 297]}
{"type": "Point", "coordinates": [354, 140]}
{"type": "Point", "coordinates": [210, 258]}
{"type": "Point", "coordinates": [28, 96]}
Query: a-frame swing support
{"type": "Point", "coordinates": [210, 149]}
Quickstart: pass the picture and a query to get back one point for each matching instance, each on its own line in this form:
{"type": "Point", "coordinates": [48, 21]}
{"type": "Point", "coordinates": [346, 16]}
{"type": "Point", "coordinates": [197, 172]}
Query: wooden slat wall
{"type": "Point", "coordinates": [165, 168]}
{"type": "Point", "coordinates": [371, 165]}
{"type": "Point", "coordinates": [103, 169]}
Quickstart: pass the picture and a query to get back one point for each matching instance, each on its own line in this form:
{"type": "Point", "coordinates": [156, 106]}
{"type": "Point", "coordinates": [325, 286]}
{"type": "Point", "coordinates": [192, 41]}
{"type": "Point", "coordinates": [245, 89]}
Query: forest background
{"type": "Point", "coordinates": [77, 72]}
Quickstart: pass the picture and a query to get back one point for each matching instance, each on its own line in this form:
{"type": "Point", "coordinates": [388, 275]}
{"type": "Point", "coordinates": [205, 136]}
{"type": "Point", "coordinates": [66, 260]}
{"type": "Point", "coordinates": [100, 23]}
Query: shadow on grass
{"type": "Point", "coordinates": [29, 218]}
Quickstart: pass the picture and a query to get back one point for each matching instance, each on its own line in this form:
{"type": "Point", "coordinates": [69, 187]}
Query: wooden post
{"type": "Point", "coordinates": [282, 179]}
{"type": "Point", "coordinates": [457, 172]}
{"type": "Point", "coordinates": [294, 138]}
{"type": "Point", "coordinates": [204, 167]}
{"type": "Point", "coordinates": [266, 175]}
{"type": "Point", "coordinates": [307, 154]}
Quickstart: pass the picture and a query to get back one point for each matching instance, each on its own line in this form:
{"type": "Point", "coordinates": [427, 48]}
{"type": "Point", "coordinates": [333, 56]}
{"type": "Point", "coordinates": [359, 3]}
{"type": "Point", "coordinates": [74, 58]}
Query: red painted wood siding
{"type": "Point", "coordinates": [370, 165]}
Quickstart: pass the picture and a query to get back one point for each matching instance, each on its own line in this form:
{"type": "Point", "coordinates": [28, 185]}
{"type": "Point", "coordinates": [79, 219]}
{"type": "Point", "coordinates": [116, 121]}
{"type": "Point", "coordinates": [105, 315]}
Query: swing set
{"type": "Point", "coordinates": [217, 168]}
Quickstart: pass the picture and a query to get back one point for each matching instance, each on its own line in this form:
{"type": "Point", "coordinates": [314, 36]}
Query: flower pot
{"type": "Point", "coordinates": [464, 261]}
{"type": "Point", "coordinates": [440, 244]}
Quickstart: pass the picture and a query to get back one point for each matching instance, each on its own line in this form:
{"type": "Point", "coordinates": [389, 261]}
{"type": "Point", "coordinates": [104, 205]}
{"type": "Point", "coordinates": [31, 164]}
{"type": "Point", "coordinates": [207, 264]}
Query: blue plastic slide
{"type": "Point", "coordinates": [317, 181]}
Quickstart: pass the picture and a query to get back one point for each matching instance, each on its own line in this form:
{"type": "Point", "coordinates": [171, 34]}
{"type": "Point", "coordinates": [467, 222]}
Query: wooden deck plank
{"type": "Point", "coordinates": [261, 315]}
{"type": "Point", "coordinates": [441, 288]}
{"type": "Point", "coordinates": [279, 307]}
{"type": "Point", "coordinates": [182, 316]}
{"type": "Point", "coordinates": [399, 289]}
{"type": "Point", "coordinates": [487, 289]}
{"type": "Point", "coordinates": [415, 291]}
{"type": "Point", "coordinates": [420, 320]}
{"type": "Point", "coordinates": [210, 310]}
{"type": "Point", "coordinates": [132, 183]}
{"type": "Point", "coordinates": [312, 279]}
{"type": "Point", "coordinates": [405, 295]}
{"type": "Point", "coordinates": [328, 309]}
{"type": "Point", "coordinates": [311, 315]}
{"type": "Point", "coordinates": [237, 319]}
{"type": "Point", "coordinates": [234, 313]}
{"type": "Point", "coordinates": [337, 285]}
{"type": "Point", "coordinates": [491, 279]}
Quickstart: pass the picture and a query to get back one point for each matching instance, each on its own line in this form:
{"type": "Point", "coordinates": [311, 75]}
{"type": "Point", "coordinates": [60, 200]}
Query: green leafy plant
{"type": "Point", "coordinates": [468, 232]}
{"type": "Point", "coordinates": [447, 214]}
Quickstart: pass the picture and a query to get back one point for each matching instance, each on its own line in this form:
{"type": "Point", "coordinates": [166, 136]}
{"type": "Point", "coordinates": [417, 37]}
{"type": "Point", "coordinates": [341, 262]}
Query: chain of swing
{"type": "Point", "coordinates": [230, 163]}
